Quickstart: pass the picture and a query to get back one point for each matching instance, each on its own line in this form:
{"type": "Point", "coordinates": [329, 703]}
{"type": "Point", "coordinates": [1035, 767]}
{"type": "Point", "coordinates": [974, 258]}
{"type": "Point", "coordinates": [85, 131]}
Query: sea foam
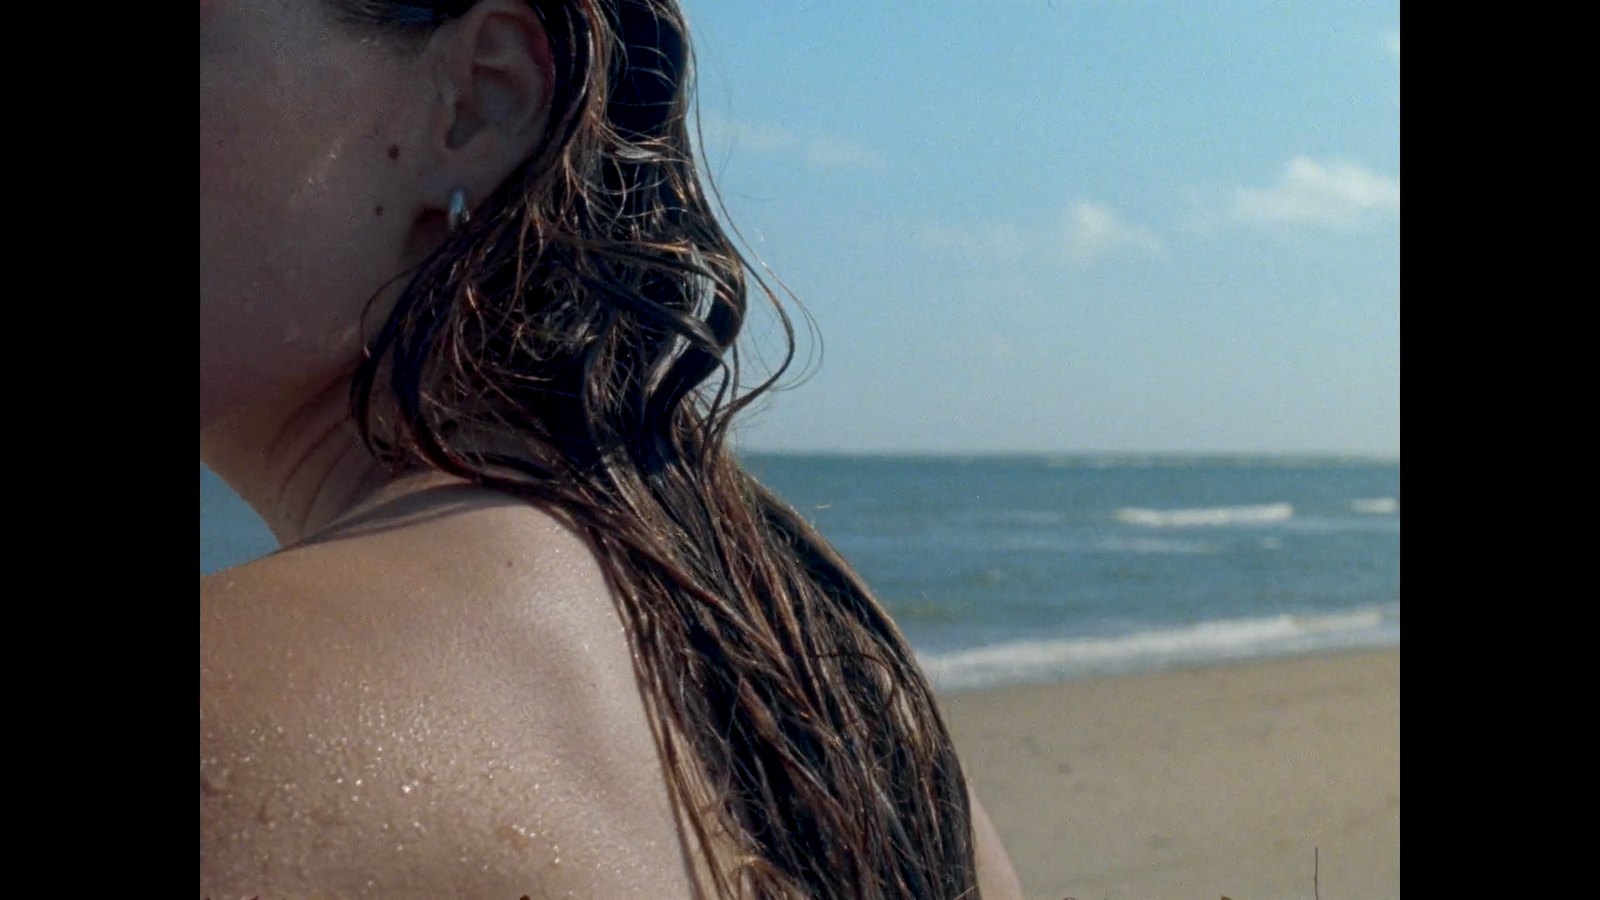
{"type": "Point", "coordinates": [1376, 506]}
{"type": "Point", "coordinates": [1206, 516]}
{"type": "Point", "coordinates": [1027, 661]}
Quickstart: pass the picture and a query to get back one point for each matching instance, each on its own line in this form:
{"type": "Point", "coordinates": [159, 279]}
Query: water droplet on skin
{"type": "Point", "coordinates": [515, 835]}
{"type": "Point", "coordinates": [213, 781]}
{"type": "Point", "coordinates": [330, 815]}
{"type": "Point", "coordinates": [272, 809]}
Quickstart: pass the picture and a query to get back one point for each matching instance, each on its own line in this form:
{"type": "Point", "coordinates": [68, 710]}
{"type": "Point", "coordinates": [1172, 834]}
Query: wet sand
{"type": "Point", "coordinates": [1196, 784]}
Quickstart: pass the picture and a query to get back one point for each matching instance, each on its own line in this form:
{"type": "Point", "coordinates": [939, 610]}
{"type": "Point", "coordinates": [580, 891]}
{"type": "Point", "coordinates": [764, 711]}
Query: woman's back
{"type": "Point", "coordinates": [438, 700]}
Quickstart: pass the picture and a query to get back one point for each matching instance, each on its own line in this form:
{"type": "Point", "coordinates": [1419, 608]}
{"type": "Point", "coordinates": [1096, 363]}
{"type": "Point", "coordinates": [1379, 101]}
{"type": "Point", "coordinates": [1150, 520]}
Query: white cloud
{"type": "Point", "coordinates": [1391, 44]}
{"type": "Point", "coordinates": [762, 138]}
{"type": "Point", "coordinates": [1006, 243]}
{"type": "Point", "coordinates": [1093, 231]}
{"type": "Point", "coordinates": [1338, 195]}
{"type": "Point", "coordinates": [1090, 232]}
{"type": "Point", "coordinates": [818, 151]}
{"type": "Point", "coordinates": [835, 152]}
{"type": "Point", "coordinates": [721, 134]}
{"type": "Point", "coordinates": [995, 346]}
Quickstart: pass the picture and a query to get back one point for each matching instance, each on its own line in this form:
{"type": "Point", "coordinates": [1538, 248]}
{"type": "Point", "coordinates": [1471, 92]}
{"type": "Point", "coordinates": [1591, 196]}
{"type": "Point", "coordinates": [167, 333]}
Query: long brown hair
{"type": "Point", "coordinates": [574, 345]}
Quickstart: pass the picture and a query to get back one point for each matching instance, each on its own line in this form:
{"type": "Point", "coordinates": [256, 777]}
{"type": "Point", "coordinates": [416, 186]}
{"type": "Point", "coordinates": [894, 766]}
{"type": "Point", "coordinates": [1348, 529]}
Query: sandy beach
{"type": "Point", "coordinates": [1196, 784]}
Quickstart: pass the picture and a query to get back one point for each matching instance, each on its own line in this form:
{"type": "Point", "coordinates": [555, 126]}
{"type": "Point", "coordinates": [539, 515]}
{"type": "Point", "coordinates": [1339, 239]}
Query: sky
{"type": "Point", "coordinates": [1056, 226]}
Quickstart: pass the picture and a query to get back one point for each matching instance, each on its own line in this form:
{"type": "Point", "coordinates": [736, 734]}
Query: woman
{"type": "Point", "coordinates": [467, 326]}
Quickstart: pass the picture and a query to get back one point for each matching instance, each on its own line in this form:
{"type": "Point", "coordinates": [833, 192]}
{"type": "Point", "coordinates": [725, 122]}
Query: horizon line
{"type": "Point", "coordinates": [1085, 454]}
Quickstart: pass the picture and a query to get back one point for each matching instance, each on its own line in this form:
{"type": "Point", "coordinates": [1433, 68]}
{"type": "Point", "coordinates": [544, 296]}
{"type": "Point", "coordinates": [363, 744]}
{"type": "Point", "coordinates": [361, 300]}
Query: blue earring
{"type": "Point", "coordinates": [458, 210]}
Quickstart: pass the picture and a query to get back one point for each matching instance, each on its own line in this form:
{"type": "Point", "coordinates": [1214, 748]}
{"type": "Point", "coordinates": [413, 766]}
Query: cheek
{"type": "Point", "coordinates": [291, 246]}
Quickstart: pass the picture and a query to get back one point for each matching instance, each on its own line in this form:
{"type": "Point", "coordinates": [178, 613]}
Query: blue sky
{"type": "Point", "coordinates": [1069, 226]}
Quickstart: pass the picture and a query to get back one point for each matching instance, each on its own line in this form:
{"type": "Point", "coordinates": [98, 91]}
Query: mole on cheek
{"type": "Point", "coordinates": [377, 210]}
{"type": "Point", "coordinates": [394, 151]}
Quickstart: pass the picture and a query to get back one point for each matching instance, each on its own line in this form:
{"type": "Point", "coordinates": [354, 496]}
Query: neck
{"type": "Point", "coordinates": [301, 467]}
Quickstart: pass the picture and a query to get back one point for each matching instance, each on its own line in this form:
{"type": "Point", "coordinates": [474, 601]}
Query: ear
{"type": "Point", "coordinates": [494, 72]}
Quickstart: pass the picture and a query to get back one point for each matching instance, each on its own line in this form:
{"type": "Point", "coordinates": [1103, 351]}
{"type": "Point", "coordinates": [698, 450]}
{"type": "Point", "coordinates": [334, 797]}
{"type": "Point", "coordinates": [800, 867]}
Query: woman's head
{"type": "Point", "coordinates": [333, 135]}
{"type": "Point", "coordinates": [595, 292]}
{"type": "Point", "coordinates": [328, 153]}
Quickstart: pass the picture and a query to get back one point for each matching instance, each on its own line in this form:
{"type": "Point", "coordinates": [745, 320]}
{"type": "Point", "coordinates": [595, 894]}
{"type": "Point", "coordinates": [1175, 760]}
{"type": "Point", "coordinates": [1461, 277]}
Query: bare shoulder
{"type": "Point", "coordinates": [442, 704]}
{"type": "Point", "coordinates": [997, 879]}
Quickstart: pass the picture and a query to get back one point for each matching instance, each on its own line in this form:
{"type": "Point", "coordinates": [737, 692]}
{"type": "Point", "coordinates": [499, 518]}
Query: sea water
{"type": "Point", "coordinates": [1003, 570]}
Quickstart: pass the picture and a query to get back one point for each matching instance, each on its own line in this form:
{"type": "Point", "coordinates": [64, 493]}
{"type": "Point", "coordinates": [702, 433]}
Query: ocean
{"type": "Point", "coordinates": [1018, 569]}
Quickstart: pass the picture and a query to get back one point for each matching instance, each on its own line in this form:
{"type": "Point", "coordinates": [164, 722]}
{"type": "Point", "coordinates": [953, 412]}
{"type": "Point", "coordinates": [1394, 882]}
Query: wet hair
{"type": "Point", "coordinates": [574, 345]}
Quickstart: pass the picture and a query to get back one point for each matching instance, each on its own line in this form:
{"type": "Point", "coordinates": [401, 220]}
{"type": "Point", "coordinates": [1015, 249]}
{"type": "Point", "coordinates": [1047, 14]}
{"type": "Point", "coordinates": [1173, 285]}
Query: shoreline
{"type": "Point", "coordinates": [1223, 779]}
{"type": "Point", "coordinates": [1138, 669]}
